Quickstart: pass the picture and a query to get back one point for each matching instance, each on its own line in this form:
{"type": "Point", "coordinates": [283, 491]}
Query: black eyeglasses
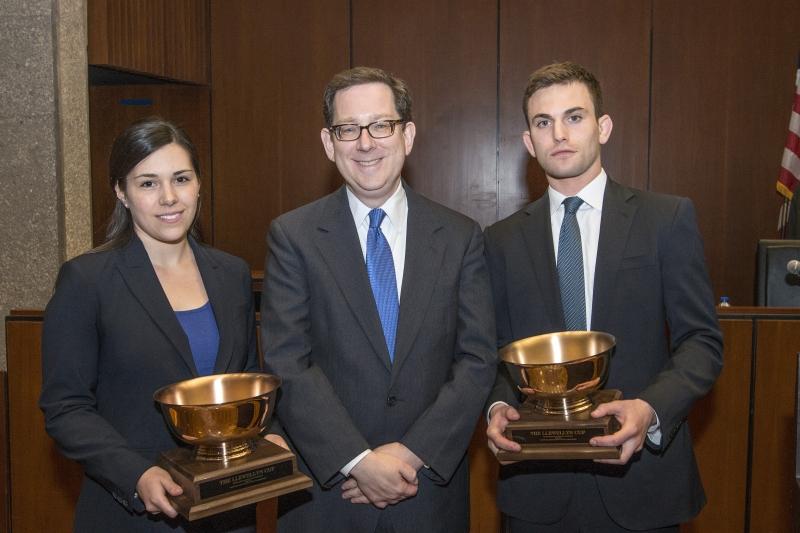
{"type": "Point", "coordinates": [379, 129]}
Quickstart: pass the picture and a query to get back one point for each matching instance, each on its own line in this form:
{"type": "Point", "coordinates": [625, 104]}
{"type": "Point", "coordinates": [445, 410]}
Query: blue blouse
{"type": "Point", "coordinates": [200, 326]}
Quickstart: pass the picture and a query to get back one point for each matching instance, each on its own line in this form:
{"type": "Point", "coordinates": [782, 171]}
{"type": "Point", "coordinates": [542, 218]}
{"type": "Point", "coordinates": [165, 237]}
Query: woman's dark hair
{"type": "Point", "coordinates": [130, 148]}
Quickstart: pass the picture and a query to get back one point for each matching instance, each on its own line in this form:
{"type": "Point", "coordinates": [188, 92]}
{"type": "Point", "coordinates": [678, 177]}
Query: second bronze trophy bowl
{"type": "Point", "coordinates": [221, 415]}
{"type": "Point", "coordinates": [227, 464]}
{"type": "Point", "coordinates": [561, 375]}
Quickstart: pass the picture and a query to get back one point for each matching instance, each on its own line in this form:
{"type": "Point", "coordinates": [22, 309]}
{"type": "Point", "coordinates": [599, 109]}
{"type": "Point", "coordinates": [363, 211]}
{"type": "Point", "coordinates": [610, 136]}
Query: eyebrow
{"type": "Point", "coordinates": [567, 112]}
{"type": "Point", "coordinates": [151, 175]}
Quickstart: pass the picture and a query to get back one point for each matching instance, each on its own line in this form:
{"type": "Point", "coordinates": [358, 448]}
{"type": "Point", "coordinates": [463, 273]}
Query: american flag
{"type": "Point", "coordinates": [790, 163]}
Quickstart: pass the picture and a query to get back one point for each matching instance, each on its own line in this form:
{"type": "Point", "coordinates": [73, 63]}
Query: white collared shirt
{"type": "Point", "coordinates": [393, 226]}
{"type": "Point", "coordinates": [589, 216]}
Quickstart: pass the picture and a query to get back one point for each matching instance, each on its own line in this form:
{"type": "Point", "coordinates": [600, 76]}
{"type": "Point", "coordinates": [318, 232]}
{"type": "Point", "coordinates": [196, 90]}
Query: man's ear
{"type": "Point", "coordinates": [409, 132]}
{"type": "Point", "coordinates": [605, 125]}
{"type": "Point", "coordinates": [326, 136]}
{"type": "Point", "coordinates": [528, 142]}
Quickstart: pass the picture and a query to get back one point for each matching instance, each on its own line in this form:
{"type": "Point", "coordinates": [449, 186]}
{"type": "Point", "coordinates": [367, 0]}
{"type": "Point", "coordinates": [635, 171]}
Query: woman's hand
{"type": "Point", "coordinates": [153, 487]}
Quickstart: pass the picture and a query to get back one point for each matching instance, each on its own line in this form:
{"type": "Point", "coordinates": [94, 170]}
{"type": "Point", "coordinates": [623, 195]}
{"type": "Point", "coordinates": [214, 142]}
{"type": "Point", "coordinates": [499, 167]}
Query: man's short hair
{"type": "Point", "coordinates": [360, 76]}
{"type": "Point", "coordinates": [561, 74]}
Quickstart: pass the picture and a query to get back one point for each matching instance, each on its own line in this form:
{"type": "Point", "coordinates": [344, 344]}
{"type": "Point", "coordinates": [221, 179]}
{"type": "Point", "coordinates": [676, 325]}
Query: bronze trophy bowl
{"type": "Point", "coordinates": [220, 415]}
{"type": "Point", "coordinates": [227, 464]}
{"type": "Point", "coordinates": [561, 374]}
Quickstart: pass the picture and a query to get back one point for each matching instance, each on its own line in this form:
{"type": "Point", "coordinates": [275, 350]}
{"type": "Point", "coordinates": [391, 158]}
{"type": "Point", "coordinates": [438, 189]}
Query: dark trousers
{"type": "Point", "coordinates": [585, 514]}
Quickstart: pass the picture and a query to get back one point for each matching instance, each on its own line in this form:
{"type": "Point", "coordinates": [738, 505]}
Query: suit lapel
{"type": "Point", "coordinates": [424, 252]}
{"type": "Point", "coordinates": [538, 235]}
{"type": "Point", "coordinates": [140, 277]}
{"type": "Point", "coordinates": [615, 225]}
{"type": "Point", "coordinates": [219, 294]}
{"type": "Point", "coordinates": [337, 240]}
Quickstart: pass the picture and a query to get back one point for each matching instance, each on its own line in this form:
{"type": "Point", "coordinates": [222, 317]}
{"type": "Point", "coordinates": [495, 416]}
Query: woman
{"type": "Point", "coordinates": [150, 307]}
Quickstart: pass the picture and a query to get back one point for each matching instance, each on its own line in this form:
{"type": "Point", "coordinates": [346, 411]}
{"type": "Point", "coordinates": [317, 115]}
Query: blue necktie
{"type": "Point", "coordinates": [570, 267]}
{"type": "Point", "coordinates": [380, 269]}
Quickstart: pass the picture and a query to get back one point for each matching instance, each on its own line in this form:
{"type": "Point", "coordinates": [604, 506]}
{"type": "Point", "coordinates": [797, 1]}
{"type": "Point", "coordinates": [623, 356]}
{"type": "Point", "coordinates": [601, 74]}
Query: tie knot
{"type": "Point", "coordinates": [375, 218]}
{"type": "Point", "coordinates": [571, 204]}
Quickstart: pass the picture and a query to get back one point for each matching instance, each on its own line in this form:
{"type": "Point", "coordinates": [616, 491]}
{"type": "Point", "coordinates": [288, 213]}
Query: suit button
{"type": "Point", "coordinates": [390, 401]}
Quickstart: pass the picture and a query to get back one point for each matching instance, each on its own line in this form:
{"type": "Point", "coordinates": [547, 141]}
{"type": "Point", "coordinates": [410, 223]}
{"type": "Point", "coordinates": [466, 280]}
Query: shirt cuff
{"type": "Point", "coordinates": [654, 431]}
{"type": "Point", "coordinates": [352, 464]}
{"type": "Point", "coordinates": [489, 410]}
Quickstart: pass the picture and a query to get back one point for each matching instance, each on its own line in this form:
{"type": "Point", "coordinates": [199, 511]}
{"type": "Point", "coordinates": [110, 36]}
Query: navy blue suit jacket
{"type": "Point", "coordinates": [652, 292]}
{"type": "Point", "coordinates": [110, 340]}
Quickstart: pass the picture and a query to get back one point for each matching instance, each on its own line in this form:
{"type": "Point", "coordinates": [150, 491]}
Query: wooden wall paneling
{"type": "Point", "coordinates": [112, 108]}
{"type": "Point", "coordinates": [447, 52]}
{"type": "Point", "coordinates": [164, 39]}
{"type": "Point", "coordinates": [484, 516]}
{"type": "Point", "coordinates": [270, 63]}
{"type": "Point", "coordinates": [127, 34]}
{"type": "Point", "coordinates": [5, 481]}
{"type": "Point", "coordinates": [44, 484]}
{"type": "Point", "coordinates": [186, 40]}
{"type": "Point", "coordinates": [612, 39]}
{"type": "Point", "coordinates": [719, 425]}
{"type": "Point", "coordinates": [773, 487]}
{"type": "Point", "coordinates": [723, 80]}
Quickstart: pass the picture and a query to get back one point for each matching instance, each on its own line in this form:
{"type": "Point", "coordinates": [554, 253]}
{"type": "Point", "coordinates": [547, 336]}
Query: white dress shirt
{"type": "Point", "coordinates": [589, 216]}
{"type": "Point", "coordinates": [393, 226]}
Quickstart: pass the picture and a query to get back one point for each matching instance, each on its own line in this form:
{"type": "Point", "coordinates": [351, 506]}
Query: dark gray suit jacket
{"type": "Point", "coordinates": [651, 291]}
{"type": "Point", "coordinates": [341, 395]}
{"type": "Point", "coordinates": [110, 340]}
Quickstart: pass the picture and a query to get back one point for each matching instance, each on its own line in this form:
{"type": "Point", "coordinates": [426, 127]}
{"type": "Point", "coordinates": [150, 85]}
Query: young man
{"type": "Point", "coordinates": [644, 280]}
{"type": "Point", "coordinates": [376, 314]}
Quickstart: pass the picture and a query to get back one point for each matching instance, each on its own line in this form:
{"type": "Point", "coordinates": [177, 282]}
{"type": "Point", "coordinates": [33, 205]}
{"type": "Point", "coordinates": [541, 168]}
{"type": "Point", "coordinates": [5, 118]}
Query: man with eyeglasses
{"type": "Point", "coordinates": [377, 315]}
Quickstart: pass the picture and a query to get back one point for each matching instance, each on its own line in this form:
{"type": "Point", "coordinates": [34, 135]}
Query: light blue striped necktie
{"type": "Point", "coordinates": [570, 267]}
{"type": "Point", "coordinates": [380, 268]}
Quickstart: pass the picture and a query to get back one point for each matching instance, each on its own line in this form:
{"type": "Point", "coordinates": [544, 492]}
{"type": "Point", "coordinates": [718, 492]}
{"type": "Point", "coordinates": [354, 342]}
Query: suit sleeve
{"type": "Point", "coordinates": [503, 389]}
{"type": "Point", "coordinates": [70, 352]}
{"type": "Point", "coordinates": [442, 432]}
{"type": "Point", "coordinates": [308, 408]}
{"type": "Point", "coordinates": [253, 362]}
{"type": "Point", "coordinates": [695, 338]}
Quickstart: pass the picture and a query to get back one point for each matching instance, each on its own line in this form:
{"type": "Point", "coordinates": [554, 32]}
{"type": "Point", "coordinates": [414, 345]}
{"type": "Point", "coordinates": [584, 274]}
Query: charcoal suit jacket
{"type": "Point", "coordinates": [341, 394]}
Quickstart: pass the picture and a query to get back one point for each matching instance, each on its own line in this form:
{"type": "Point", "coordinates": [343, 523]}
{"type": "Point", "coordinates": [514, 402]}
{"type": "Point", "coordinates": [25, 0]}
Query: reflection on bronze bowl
{"type": "Point", "coordinates": [558, 371]}
{"type": "Point", "coordinates": [220, 415]}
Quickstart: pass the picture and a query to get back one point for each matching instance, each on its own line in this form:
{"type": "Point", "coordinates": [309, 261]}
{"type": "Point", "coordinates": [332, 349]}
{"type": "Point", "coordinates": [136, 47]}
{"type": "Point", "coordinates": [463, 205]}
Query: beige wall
{"type": "Point", "coordinates": [45, 205]}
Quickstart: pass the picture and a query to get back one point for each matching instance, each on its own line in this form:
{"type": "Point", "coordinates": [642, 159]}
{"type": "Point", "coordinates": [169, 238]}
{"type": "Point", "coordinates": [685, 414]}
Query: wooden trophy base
{"type": "Point", "coordinates": [211, 487]}
{"type": "Point", "coordinates": [556, 437]}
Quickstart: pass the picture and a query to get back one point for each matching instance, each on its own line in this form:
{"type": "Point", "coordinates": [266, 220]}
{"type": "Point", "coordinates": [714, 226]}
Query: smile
{"type": "Point", "coordinates": [369, 163]}
{"type": "Point", "coordinates": [170, 217]}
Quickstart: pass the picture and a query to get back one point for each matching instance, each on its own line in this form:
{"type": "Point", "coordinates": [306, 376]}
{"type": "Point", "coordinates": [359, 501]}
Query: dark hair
{"type": "Point", "coordinates": [361, 76]}
{"type": "Point", "coordinates": [130, 148]}
{"type": "Point", "coordinates": [560, 74]}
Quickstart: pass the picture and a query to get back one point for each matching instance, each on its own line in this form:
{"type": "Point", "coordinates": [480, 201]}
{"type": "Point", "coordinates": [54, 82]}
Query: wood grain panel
{"type": "Point", "coordinates": [773, 488]}
{"type": "Point", "coordinates": [722, 92]}
{"type": "Point", "coordinates": [5, 482]}
{"type": "Point", "coordinates": [447, 52]}
{"type": "Point", "coordinates": [134, 34]}
{"type": "Point", "coordinates": [164, 39]}
{"type": "Point", "coordinates": [609, 37]}
{"type": "Point", "coordinates": [186, 40]}
{"type": "Point", "coordinates": [719, 424]}
{"type": "Point", "coordinates": [44, 484]}
{"type": "Point", "coordinates": [186, 105]}
{"type": "Point", "coordinates": [484, 516]}
{"type": "Point", "coordinates": [270, 63]}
